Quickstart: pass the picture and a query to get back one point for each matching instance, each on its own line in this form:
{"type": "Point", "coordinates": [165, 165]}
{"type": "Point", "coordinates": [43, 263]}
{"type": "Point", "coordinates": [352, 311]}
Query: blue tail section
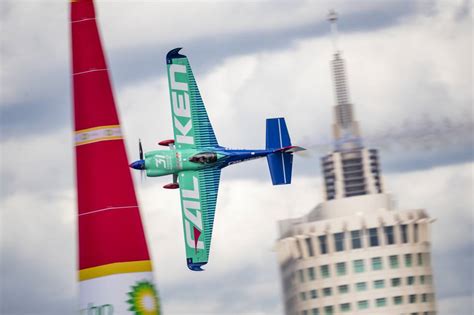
{"type": "Point", "coordinates": [280, 162]}
{"type": "Point", "coordinates": [277, 134]}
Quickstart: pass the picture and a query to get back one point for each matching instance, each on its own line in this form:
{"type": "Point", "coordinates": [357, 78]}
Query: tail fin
{"type": "Point", "coordinates": [277, 134]}
{"type": "Point", "coordinates": [280, 162]}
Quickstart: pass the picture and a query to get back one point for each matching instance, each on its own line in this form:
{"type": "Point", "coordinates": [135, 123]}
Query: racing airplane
{"type": "Point", "coordinates": [195, 159]}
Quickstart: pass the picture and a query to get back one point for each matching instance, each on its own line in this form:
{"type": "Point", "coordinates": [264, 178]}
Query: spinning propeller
{"type": "Point", "coordinates": [139, 164]}
{"type": "Point", "coordinates": [140, 149]}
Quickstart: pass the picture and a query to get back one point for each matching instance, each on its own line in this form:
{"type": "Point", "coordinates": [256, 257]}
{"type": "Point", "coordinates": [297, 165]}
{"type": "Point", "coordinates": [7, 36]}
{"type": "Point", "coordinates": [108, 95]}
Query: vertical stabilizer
{"type": "Point", "coordinates": [280, 163]}
{"type": "Point", "coordinates": [115, 271]}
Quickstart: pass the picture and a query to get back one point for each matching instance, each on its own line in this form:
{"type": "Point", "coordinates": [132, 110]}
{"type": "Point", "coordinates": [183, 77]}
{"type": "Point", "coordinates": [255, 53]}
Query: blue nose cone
{"type": "Point", "coordinates": [138, 165]}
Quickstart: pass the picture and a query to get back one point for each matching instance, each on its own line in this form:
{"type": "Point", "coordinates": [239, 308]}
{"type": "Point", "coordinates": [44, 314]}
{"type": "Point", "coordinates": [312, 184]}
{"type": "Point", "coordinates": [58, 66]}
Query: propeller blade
{"type": "Point", "coordinates": [142, 176]}
{"type": "Point", "coordinates": [140, 149]}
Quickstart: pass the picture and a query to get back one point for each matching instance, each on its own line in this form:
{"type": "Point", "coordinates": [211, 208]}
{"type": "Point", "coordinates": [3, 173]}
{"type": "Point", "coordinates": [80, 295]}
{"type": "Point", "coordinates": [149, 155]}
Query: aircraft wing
{"type": "Point", "coordinates": [192, 128]}
{"type": "Point", "coordinates": [198, 191]}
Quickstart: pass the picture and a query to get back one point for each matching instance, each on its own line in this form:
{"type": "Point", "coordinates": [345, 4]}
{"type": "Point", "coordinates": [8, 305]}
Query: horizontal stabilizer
{"type": "Point", "coordinates": [280, 165]}
{"type": "Point", "coordinates": [291, 149]}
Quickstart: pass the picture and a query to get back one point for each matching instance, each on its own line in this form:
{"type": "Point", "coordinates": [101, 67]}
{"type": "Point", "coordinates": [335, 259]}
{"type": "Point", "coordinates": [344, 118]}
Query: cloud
{"type": "Point", "coordinates": [461, 305]}
{"type": "Point", "coordinates": [411, 102]}
{"type": "Point", "coordinates": [408, 68]}
{"type": "Point", "coordinates": [35, 54]}
{"type": "Point", "coordinates": [242, 245]}
{"type": "Point", "coordinates": [244, 235]}
{"type": "Point", "coordinates": [38, 254]}
{"type": "Point", "coordinates": [37, 165]}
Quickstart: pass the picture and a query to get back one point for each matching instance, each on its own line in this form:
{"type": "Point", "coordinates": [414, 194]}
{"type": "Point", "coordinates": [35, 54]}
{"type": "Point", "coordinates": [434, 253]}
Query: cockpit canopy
{"type": "Point", "coordinates": [204, 158]}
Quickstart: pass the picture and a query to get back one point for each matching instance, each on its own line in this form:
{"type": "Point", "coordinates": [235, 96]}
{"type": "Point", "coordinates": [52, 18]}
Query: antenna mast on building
{"type": "Point", "coordinates": [332, 18]}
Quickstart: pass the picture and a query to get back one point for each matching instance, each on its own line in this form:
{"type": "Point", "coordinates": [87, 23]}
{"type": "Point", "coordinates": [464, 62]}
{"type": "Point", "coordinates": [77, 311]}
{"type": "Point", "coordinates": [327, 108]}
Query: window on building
{"type": "Point", "coordinates": [315, 311]}
{"type": "Point", "coordinates": [327, 291]}
{"type": "Point", "coordinates": [389, 237]}
{"type": "Point", "coordinates": [373, 237]}
{"type": "Point", "coordinates": [290, 280]}
{"type": "Point", "coordinates": [379, 284]}
{"type": "Point", "coordinates": [396, 282]}
{"type": "Point", "coordinates": [358, 265]}
{"type": "Point", "coordinates": [303, 296]}
{"type": "Point", "coordinates": [339, 241]}
{"type": "Point", "coordinates": [361, 286]}
{"type": "Point", "coordinates": [362, 305]}
{"type": "Point", "coordinates": [424, 297]}
{"type": "Point", "coordinates": [301, 275]}
{"type": "Point", "coordinates": [341, 268]}
{"type": "Point", "coordinates": [429, 279]}
{"type": "Point", "coordinates": [311, 273]}
{"type": "Point", "coordinates": [397, 300]}
{"type": "Point", "coordinates": [415, 232]}
{"type": "Point", "coordinates": [314, 294]}
{"type": "Point", "coordinates": [410, 280]}
{"type": "Point", "coordinates": [325, 271]}
{"type": "Point", "coordinates": [377, 263]}
{"type": "Point", "coordinates": [345, 307]}
{"type": "Point", "coordinates": [323, 246]}
{"type": "Point", "coordinates": [343, 289]}
{"type": "Point", "coordinates": [394, 261]}
{"type": "Point", "coordinates": [305, 312]}
{"type": "Point", "coordinates": [408, 260]}
{"type": "Point", "coordinates": [328, 310]}
{"type": "Point", "coordinates": [412, 298]}
{"type": "Point", "coordinates": [309, 246]}
{"type": "Point", "coordinates": [287, 283]}
{"type": "Point", "coordinates": [356, 238]}
{"type": "Point", "coordinates": [381, 302]}
{"type": "Point", "coordinates": [404, 233]}
{"type": "Point", "coordinates": [422, 279]}
{"type": "Point", "coordinates": [420, 259]}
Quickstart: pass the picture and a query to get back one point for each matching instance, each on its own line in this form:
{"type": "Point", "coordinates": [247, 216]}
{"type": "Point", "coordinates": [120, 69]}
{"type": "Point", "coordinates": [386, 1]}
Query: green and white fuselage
{"type": "Point", "coordinates": [195, 158]}
{"type": "Point", "coordinates": [173, 161]}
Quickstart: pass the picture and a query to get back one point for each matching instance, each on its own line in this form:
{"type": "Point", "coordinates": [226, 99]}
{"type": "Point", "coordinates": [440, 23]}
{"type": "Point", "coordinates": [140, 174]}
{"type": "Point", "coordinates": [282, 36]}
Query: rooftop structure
{"type": "Point", "coordinates": [350, 170]}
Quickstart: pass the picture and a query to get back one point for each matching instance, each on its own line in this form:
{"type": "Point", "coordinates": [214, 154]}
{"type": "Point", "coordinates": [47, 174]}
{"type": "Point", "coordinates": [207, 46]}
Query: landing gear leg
{"type": "Point", "coordinates": [174, 184]}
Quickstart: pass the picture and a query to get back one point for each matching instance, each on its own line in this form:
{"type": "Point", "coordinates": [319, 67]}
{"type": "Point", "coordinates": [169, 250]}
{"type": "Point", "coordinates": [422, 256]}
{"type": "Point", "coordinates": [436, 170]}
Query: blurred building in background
{"type": "Point", "coordinates": [355, 253]}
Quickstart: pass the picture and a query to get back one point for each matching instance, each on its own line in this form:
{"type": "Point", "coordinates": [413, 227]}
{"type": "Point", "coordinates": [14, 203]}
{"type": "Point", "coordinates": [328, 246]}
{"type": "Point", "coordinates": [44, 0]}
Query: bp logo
{"type": "Point", "coordinates": [143, 299]}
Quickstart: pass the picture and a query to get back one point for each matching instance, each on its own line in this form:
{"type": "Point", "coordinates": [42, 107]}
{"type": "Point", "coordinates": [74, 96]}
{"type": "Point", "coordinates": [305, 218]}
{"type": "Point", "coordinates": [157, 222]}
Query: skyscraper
{"type": "Point", "coordinates": [355, 253]}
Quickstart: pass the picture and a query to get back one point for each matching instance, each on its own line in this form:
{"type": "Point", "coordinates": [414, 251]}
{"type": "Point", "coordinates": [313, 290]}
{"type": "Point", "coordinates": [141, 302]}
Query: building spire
{"type": "Point", "coordinates": [346, 131]}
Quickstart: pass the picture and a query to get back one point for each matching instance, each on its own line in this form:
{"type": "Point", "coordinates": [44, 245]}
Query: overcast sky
{"type": "Point", "coordinates": [410, 78]}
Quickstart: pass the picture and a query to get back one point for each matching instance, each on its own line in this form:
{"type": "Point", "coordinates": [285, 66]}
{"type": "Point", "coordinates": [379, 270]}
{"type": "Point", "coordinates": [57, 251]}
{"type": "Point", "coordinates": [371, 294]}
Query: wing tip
{"type": "Point", "coordinates": [195, 266]}
{"type": "Point", "coordinates": [174, 54]}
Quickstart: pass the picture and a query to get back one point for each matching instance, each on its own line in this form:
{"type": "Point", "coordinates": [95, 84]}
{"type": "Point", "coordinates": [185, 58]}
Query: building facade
{"type": "Point", "coordinates": [355, 253]}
